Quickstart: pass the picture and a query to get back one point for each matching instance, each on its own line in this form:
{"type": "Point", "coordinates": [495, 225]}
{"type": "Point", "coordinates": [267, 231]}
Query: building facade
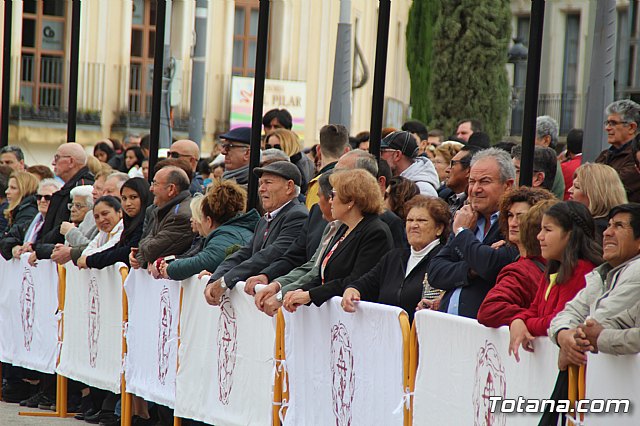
{"type": "Point", "coordinates": [566, 58]}
{"type": "Point", "coordinates": [116, 61]}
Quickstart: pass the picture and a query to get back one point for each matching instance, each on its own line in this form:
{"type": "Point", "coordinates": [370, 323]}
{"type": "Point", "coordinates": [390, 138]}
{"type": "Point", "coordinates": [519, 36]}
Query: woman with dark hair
{"type": "Point", "coordinates": [399, 192]}
{"type": "Point", "coordinates": [107, 212]}
{"type": "Point", "coordinates": [517, 283]}
{"type": "Point", "coordinates": [103, 152]}
{"type": "Point", "coordinates": [133, 158]}
{"type": "Point", "coordinates": [225, 226]}
{"type": "Point", "coordinates": [567, 243]}
{"type": "Point", "coordinates": [136, 197]}
{"type": "Point", "coordinates": [400, 278]}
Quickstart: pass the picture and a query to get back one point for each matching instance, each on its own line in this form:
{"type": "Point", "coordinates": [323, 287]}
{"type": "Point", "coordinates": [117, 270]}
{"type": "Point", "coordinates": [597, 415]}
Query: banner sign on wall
{"type": "Point", "coordinates": [290, 95]}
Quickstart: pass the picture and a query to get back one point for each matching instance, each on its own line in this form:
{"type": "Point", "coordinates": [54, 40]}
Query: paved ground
{"type": "Point", "coordinates": [9, 417]}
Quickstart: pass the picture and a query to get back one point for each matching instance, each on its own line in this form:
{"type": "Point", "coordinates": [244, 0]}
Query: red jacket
{"type": "Point", "coordinates": [539, 315]}
{"type": "Point", "coordinates": [514, 291]}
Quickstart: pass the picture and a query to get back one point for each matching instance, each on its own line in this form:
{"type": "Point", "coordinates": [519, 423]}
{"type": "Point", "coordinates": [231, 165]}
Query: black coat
{"type": "Point", "coordinates": [360, 251]}
{"type": "Point", "coordinates": [451, 268]}
{"type": "Point", "coordinates": [58, 212]}
{"type": "Point", "coordinates": [23, 214]}
{"type": "Point", "coordinates": [386, 282]}
{"type": "Point", "coordinates": [118, 253]}
{"type": "Point", "coordinates": [303, 248]}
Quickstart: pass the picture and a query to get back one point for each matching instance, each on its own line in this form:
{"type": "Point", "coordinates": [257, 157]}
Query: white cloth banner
{"type": "Point", "coordinates": [152, 337]}
{"type": "Point", "coordinates": [226, 353]}
{"type": "Point", "coordinates": [613, 377]}
{"type": "Point", "coordinates": [344, 369]}
{"type": "Point", "coordinates": [92, 348]}
{"type": "Point", "coordinates": [462, 364]}
{"type": "Point", "coordinates": [28, 306]}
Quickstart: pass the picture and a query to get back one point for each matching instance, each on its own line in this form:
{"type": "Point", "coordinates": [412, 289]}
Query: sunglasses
{"type": "Point", "coordinates": [228, 146]}
{"type": "Point", "coordinates": [173, 154]}
{"type": "Point", "coordinates": [41, 196]}
{"type": "Point", "coordinates": [276, 146]}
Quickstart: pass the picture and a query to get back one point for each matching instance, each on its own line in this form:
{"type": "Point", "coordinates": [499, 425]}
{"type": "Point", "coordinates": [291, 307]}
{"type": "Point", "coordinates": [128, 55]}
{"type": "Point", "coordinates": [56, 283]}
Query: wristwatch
{"type": "Point", "coordinates": [460, 229]}
{"type": "Point", "coordinates": [222, 283]}
{"type": "Point", "coordinates": [279, 296]}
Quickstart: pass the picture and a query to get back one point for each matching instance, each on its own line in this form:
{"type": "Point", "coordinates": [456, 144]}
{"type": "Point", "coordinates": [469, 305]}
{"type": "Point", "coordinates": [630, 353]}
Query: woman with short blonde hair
{"type": "Point", "coordinates": [360, 188]}
{"type": "Point", "coordinates": [600, 189]}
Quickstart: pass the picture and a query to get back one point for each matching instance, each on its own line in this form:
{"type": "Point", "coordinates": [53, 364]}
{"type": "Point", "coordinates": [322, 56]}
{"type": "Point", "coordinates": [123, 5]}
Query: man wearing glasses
{"type": "Point", "coordinates": [621, 126]}
{"type": "Point", "coordinates": [236, 149]}
{"type": "Point", "coordinates": [69, 164]}
{"type": "Point", "coordinates": [188, 150]}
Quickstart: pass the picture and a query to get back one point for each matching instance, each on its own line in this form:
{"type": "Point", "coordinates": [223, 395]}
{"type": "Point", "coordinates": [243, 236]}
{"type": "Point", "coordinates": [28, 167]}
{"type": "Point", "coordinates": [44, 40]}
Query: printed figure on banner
{"type": "Point", "coordinates": [490, 381]}
{"type": "Point", "coordinates": [94, 321]}
{"type": "Point", "coordinates": [27, 305]}
{"type": "Point", "coordinates": [227, 346]}
{"type": "Point", "coordinates": [164, 331]}
{"type": "Point", "coordinates": [342, 374]}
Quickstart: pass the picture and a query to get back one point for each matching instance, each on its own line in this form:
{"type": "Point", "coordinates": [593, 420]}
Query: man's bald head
{"type": "Point", "coordinates": [187, 149]}
{"type": "Point", "coordinates": [68, 160]}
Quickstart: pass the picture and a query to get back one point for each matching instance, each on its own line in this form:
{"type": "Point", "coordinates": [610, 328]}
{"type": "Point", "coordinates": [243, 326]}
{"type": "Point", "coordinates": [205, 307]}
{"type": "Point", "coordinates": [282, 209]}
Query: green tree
{"type": "Point", "coordinates": [469, 79]}
{"type": "Point", "coordinates": [422, 19]}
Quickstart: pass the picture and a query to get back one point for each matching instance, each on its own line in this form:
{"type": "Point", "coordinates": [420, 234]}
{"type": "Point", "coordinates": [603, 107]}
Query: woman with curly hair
{"type": "Point", "coordinates": [225, 226]}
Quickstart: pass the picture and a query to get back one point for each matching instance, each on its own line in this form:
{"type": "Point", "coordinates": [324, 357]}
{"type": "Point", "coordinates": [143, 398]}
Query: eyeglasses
{"type": "Point", "coordinates": [174, 154]}
{"type": "Point", "coordinates": [228, 146]}
{"type": "Point", "coordinates": [276, 146]}
{"type": "Point", "coordinates": [452, 163]}
{"type": "Point", "coordinates": [43, 196]}
{"type": "Point", "coordinates": [613, 123]}
{"type": "Point", "coordinates": [76, 205]}
{"type": "Point", "coordinates": [57, 157]}
{"type": "Point", "coordinates": [154, 183]}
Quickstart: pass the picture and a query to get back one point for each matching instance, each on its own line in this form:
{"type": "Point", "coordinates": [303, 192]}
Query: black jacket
{"type": "Point", "coordinates": [23, 214]}
{"type": "Point", "coordinates": [396, 227]}
{"type": "Point", "coordinates": [58, 212]}
{"type": "Point", "coordinates": [451, 268]}
{"type": "Point", "coordinates": [386, 282]}
{"type": "Point", "coordinates": [302, 248]}
{"type": "Point", "coordinates": [360, 251]}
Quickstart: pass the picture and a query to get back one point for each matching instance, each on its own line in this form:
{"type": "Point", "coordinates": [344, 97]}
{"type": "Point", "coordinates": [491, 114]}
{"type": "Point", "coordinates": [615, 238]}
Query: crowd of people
{"type": "Point", "coordinates": [436, 223]}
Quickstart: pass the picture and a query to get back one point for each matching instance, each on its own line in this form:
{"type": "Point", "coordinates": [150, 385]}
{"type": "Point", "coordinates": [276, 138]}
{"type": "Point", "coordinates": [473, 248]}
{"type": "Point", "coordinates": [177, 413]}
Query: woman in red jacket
{"type": "Point", "coordinates": [521, 212]}
{"type": "Point", "coordinates": [567, 242]}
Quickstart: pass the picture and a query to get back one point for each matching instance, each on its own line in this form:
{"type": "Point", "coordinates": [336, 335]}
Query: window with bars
{"type": "Point", "coordinates": [42, 54]}
{"type": "Point", "coordinates": [143, 35]}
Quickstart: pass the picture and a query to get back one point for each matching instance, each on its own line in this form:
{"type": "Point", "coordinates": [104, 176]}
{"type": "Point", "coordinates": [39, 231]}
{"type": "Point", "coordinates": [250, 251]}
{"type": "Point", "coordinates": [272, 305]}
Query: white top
{"type": "Point", "coordinates": [417, 256]}
{"type": "Point", "coordinates": [104, 240]}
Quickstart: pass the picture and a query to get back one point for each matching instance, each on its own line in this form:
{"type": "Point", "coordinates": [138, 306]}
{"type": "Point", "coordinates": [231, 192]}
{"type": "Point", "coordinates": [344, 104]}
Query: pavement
{"type": "Point", "coordinates": [9, 417]}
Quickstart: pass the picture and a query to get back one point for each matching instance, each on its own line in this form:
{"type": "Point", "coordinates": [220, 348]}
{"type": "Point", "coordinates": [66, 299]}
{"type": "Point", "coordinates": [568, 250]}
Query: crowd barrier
{"type": "Point", "coordinates": [232, 365]}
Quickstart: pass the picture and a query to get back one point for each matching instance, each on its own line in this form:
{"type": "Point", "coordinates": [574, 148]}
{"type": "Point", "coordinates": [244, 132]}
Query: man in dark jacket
{"type": "Point", "coordinates": [69, 164]}
{"type": "Point", "coordinates": [170, 223]}
{"type": "Point", "coordinates": [621, 125]}
{"type": "Point", "coordinates": [275, 232]}
{"type": "Point", "coordinates": [467, 267]}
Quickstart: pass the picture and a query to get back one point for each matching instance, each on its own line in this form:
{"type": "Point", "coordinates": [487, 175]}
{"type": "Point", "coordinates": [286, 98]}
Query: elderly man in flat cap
{"type": "Point", "coordinates": [279, 187]}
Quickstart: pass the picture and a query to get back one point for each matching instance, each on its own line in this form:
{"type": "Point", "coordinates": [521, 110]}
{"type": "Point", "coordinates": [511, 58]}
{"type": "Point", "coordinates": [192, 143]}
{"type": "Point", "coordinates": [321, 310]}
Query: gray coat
{"type": "Point", "coordinates": [608, 292]}
{"type": "Point", "coordinates": [621, 335]}
{"type": "Point", "coordinates": [268, 244]}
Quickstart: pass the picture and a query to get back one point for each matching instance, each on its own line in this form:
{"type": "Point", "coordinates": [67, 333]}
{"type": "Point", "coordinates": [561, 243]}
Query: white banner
{"type": "Point", "coordinates": [613, 377]}
{"type": "Point", "coordinates": [92, 348]}
{"type": "Point", "coordinates": [344, 369]}
{"type": "Point", "coordinates": [462, 364]}
{"type": "Point", "coordinates": [28, 305]}
{"type": "Point", "coordinates": [225, 375]}
{"type": "Point", "coordinates": [152, 337]}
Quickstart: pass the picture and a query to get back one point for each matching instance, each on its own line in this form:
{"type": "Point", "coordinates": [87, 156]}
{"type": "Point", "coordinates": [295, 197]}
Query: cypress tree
{"type": "Point", "coordinates": [469, 79]}
{"type": "Point", "coordinates": [420, 31]}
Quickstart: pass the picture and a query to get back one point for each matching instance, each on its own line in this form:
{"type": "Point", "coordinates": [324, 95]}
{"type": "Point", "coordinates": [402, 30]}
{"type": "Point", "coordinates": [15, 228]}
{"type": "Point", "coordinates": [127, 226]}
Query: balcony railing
{"type": "Point", "coordinates": [565, 108]}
